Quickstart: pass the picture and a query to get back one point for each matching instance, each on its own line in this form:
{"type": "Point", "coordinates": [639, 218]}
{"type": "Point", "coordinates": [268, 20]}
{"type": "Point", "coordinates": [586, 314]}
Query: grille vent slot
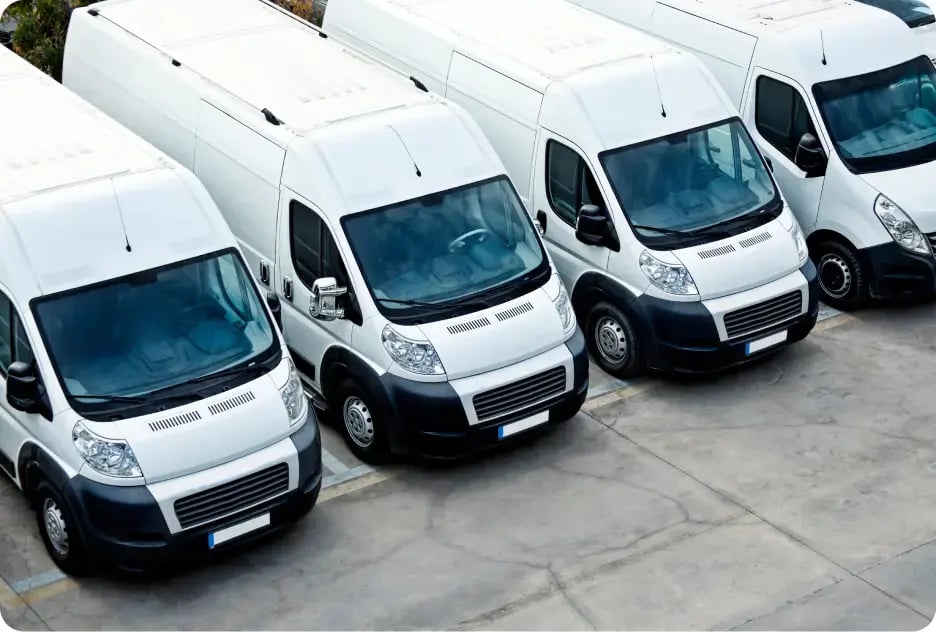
{"type": "Point", "coordinates": [514, 312]}
{"type": "Point", "coordinates": [231, 497]}
{"type": "Point", "coordinates": [716, 252]}
{"type": "Point", "coordinates": [173, 422]}
{"type": "Point", "coordinates": [229, 404]}
{"type": "Point", "coordinates": [763, 315]}
{"type": "Point", "coordinates": [470, 325]}
{"type": "Point", "coordinates": [756, 239]}
{"type": "Point", "coordinates": [519, 395]}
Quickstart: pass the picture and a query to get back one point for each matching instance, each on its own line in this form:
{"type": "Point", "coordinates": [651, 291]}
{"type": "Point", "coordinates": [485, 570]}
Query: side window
{"type": "Point", "coordinates": [314, 251]}
{"type": "Point", "coordinates": [14, 345]}
{"type": "Point", "coordinates": [6, 334]}
{"type": "Point", "coordinates": [781, 115]}
{"type": "Point", "coordinates": [569, 182]}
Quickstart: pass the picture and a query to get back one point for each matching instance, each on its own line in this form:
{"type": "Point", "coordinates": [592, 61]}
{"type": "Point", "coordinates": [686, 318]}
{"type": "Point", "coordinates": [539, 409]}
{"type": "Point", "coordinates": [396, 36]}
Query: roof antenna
{"type": "Point", "coordinates": [822, 40]}
{"type": "Point", "coordinates": [659, 92]}
{"type": "Point", "coordinates": [418, 172]}
{"type": "Point", "coordinates": [123, 225]}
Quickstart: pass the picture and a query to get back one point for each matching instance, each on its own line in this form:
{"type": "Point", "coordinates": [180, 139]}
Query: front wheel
{"type": "Point", "coordinates": [361, 423]}
{"type": "Point", "coordinates": [613, 341]}
{"type": "Point", "coordinates": [59, 531]}
{"type": "Point", "coordinates": [843, 283]}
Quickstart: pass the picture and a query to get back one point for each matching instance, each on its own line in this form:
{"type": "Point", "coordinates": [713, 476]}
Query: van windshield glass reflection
{"type": "Point", "coordinates": [882, 120]}
{"type": "Point", "coordinates": [913, 12]}
{"type": "Point", "coordinates": [427, 255]}
{"type": "Point", "coordinates": [155, 330]}
{"type": "Point", "coordinates": [684, 188]}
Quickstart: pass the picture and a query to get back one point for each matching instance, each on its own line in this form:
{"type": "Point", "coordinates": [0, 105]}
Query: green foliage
{"type": "Point", "coordinates": [40, 31]}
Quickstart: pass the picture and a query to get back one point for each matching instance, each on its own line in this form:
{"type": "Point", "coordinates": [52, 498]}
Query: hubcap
{"type": "Point", "coordinates": [55, 526]}
{"type": "Point", "coordinates": [835, 276]}
{"type": "Point", "coordinates": [611, 340]}
{"type": "Point", "coordinates": [358, 421]}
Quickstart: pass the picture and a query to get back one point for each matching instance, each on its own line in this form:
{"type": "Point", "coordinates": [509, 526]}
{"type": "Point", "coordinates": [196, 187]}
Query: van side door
{"type": "Point", "coordinates": [14, 347]}
{"type": "Point", "coordinates": [307, 251]}
{"type": "Point", "coordinates": [563, 182]}
{"type": "Point", "coordinates": [778, 113]}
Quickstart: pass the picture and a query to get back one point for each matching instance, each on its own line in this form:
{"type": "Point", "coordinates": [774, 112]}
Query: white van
{"type": "Point", "coordinates": [418, 298]}
{"type": "Point", "coordinates": [148, 406]}
{"type": "Point", "coordinates": [850, 129]}
{"type": "Point", "coordinates": [661, 215]}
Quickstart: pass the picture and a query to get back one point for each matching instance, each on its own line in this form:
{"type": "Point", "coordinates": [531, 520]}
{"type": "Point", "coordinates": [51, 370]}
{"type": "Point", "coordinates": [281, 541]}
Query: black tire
{"type": "Point", "coordinates": [607, 325]}
{"type": "Point", "coordinates": [67, 548]}
{"type": "Point", "coordinates": [360, 422]}
{"type": "Point", "coordinates": [843, 281]}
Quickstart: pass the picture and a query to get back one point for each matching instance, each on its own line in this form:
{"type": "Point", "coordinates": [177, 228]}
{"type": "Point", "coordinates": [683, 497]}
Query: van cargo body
{"type": "Point", "coordinates": [148, 407]}
{"type": "Point", "coordinates": [841, 97]}
{"type": "Point", "coordinates": [417, 296]}
{"type": "Point", "coordinates": [659, 211]}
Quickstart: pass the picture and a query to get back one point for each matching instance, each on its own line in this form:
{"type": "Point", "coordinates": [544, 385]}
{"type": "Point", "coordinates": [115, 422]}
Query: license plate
{"type": "Point", "coordinates": [237, 530]}
{"type": "Point", "coordinates": [764, 343]}
{"type": "Point", "coordinates": [510, 429]}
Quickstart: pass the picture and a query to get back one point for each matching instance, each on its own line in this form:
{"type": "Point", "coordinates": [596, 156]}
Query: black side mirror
{"type": "Point", "coordinates": [810, 156]}
{"type": "Point", "coordinates": [276, 307]}
{"type": "Point", "coordinates": [23, 389]}
{"type": "Point", "coordinates": [593, 227]}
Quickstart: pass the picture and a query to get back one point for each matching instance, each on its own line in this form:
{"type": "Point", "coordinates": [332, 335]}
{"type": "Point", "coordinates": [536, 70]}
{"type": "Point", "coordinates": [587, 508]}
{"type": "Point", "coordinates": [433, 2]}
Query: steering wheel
{"type": "Point", "coordinates": [459, 242]}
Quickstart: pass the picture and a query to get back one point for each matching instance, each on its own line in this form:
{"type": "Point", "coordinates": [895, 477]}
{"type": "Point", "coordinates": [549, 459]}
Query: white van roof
{"type": "Point", "coordinates": [547, 40]}
{"type": "Point", "coordinates": [249, 50]}
{"type": "Point", "coordinates": [76, 188]}
{"type": "Point", "coordinates": [42, 150]}
{"type": "Point", "coordinates": [758, 16]}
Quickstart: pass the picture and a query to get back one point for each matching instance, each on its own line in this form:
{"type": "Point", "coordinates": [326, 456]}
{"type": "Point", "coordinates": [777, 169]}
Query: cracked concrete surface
{"type": "Point", "coordinates": [795, 494]}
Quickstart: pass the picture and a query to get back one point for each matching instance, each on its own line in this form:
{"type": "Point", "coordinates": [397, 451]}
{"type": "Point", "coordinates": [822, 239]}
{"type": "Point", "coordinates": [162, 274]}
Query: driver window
{"type": "Point", "coordinates": [314, 251]}
{"type": "Point", "coordinates": [781, 115]}
{"type": "Point", "coordinates": [569, 182]}
{"type": "Point", "coordinates": [14, 344]}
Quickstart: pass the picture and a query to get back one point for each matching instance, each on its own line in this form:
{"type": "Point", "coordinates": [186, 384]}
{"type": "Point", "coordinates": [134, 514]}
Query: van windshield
{"type": "Point", "coordinates": [448, 253]}
{"type": "Point", "coordinates": [151, 333]}
{"type": "Point", "coordinates": [882, 120]}
{"type": "Point", "coordinates": [913, 12]}
{"type": "Point", "coordinates": [693, 187]}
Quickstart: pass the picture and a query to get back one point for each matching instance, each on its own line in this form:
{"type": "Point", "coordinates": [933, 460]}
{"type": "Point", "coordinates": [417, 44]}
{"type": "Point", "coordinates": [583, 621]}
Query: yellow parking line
{"type": "Point", "coordinates": [8, 597]}
{"type": "Point", "coordinates": [831, 323]}
{"type": "Point", "coordinates": [34, 596]}
{"type": "Point", "coordinates": [355, 484]}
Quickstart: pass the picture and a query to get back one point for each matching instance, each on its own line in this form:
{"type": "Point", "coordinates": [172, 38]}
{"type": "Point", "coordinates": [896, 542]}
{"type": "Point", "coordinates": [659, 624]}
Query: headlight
{"type": "Point", "coordinates": [414, 356]}
{"type": "Point", "coordinates": [293, 395]}
{"type": "Point", "coordinates": [900, 227]}
{"type": "Point", "coordinates": [801, 248]}
{"type": "Point", "coordinates": [107, 456]}
{"type": "Point", "coordinates": [564, 307]}
{"type": "Point", "coordinates": [669, 277]}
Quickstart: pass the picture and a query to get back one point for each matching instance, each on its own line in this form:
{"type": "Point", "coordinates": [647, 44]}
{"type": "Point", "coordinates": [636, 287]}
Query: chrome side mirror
{"type": "Point", "coordinates": [324, 302]}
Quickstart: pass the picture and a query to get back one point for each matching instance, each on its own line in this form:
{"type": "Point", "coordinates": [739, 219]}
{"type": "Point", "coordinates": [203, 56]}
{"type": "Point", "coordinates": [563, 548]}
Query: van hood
{"type": "Point", "coordinates": [500, 336]}
{"type": "Point", "coordinates": [742, 262]}
{"type": "Point", "coordinates": [911, 189]}
{"type": "Point", "coordinates": [207, 433]}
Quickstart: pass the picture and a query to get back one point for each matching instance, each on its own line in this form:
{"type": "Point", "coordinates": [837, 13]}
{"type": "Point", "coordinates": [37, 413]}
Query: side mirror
{"type": "Point", "coordinates": [22, 387]}
{"type": "Point", "coordinates": [324, 302]}
{"type": "Point", "coordinates": [593, 227]}
{"type": "Point", "coordinates": [276, 307]}
{"type": "Point", "coordinates": [810, 156]}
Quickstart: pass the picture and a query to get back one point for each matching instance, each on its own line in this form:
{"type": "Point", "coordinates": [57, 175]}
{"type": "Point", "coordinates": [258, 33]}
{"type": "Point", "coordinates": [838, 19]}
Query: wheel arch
{"type": "Point", "coordinates": [35, 464]}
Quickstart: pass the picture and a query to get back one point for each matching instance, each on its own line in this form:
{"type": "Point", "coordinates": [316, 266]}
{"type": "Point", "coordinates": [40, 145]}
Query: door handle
{"type": "Point", "coordinates": [287, 288]}
{"type": "Point", "coordinates": [541, 218]}
{"type": "Point", "coordinates": [265, 273]}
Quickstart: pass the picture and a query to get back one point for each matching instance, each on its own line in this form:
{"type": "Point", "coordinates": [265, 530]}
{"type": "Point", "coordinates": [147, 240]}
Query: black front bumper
{"type": "Point", "coordinates": [428, 419]}
{"type": "Point", "coordinates": [682, 337]}
{"type": "Point", "coordinates": [124, 528]}
{"type": "Point", "coordinates": [895, 273]}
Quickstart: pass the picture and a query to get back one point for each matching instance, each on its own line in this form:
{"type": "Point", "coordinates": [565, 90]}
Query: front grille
{"type": "Point", "coordinates": [521, 394]}
{"type": "Point", "coordinates": [231, 497]}
{"type": "Point", "coordinates": [763, 315]}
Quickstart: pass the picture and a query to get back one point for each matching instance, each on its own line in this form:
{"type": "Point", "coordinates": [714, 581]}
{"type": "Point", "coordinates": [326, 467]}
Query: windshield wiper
{"type": "Point", "coordinates": [120, 399]}
{"type": "Point", "coordinates": [249, 368]}
{"type": "Point", "coordinates": [666, 231]}
{"type": "Point", "coordinates": [468, 300]}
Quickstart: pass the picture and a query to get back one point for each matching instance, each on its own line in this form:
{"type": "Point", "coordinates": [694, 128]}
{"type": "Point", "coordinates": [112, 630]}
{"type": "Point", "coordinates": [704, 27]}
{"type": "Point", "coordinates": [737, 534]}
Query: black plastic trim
{"type": "Point", "coordinates": [897, 273]}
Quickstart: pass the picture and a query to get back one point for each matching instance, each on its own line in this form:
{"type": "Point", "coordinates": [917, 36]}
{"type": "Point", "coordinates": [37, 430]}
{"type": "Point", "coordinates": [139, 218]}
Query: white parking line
{"type": "Point", "coordinates": [330, 461]}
